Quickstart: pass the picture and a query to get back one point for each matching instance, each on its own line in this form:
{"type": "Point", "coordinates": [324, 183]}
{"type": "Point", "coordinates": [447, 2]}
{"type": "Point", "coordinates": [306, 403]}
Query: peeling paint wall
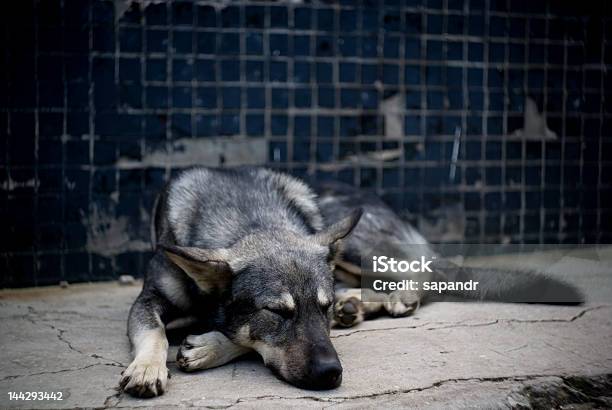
{"type": "Point", "coordinates": [187, 152]}
{"type": "Point", "coordinates": [478, 121]}
{"type": "Point", "coordinates": [109, 235]}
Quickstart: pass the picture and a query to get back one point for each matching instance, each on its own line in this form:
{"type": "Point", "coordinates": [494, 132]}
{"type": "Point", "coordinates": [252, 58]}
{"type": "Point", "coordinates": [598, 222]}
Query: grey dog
{"type": "Point", "coordinates": [252, 254]}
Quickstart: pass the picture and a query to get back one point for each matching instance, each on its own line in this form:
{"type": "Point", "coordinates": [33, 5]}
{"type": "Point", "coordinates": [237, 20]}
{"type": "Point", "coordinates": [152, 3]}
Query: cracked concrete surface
{"type": "Point", "coordinates": [447, 355]}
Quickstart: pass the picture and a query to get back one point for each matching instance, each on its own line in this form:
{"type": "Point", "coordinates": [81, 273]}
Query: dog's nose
{"type": "Point", "coordinates": [327, 373]}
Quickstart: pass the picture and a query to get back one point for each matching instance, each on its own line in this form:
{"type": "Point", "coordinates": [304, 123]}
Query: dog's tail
{"type": "Point", "coordinates": [516, 286]}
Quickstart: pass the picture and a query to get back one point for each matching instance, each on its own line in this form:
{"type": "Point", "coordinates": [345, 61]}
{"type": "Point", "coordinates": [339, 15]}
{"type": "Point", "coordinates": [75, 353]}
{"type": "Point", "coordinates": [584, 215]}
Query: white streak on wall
{"type": "Point", "coordinates": [187, 152]}
{"type": "Point", "coordinates": [534, 127]}
{"type": "Point", "coordinates": [393, 108]}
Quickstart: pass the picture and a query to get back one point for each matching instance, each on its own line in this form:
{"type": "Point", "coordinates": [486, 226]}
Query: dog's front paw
{"type": "Point", "coordinates": [196, 356]}
{"type": "Point", "coordinates": [348, 311]}
{"type": "Point", "coordinates": [144, 378]}
{"type": "Point", "coordinates": [402, 303]}
{"type": "Point", "coordinates": [205, 351]}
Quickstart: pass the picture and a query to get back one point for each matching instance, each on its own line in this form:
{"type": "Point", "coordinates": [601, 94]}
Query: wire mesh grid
{"type": "Point", "coordinates": [477, 121]}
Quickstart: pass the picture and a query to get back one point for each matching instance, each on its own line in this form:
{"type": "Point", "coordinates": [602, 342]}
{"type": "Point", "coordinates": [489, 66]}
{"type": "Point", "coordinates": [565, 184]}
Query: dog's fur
{"type": "Point", "coordinates": [251, 253]}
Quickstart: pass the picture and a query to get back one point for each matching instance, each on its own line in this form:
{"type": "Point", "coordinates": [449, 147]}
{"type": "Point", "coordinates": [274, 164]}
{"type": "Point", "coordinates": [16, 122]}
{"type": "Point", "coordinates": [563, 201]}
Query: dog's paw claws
{"type": "Point", "coordinates": [190, 358]}
{"type": "Point", "coordinates": [348, 312]}
{"type": "Point", "coordinates": [143, 379]}
{"type": "Point", "coordinates": [181, 362]}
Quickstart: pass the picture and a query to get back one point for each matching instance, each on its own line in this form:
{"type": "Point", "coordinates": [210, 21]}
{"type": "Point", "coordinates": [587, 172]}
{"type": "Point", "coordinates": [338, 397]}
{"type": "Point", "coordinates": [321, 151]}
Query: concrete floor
{"type": "Point", "coordinates": [447, 355]}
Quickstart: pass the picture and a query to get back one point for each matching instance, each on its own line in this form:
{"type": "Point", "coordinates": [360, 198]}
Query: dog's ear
{"type": "Point", "coordinates": [209, 268]}
{"type": "Point", "coordinates": [333, 235]}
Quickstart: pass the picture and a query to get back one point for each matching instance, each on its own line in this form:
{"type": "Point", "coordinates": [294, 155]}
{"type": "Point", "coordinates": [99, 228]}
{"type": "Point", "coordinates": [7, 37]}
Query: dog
{"type": "Point", "coordinates": [254, 255]}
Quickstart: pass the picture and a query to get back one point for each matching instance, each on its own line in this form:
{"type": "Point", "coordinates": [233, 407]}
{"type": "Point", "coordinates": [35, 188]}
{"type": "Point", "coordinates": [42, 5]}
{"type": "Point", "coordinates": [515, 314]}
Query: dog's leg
{"type": "Point", "coordinates": [147, 375]}
{"type": "Point", "coordinates": [353, 306]}
{"type": "Point", "coordinates": [207, 350]}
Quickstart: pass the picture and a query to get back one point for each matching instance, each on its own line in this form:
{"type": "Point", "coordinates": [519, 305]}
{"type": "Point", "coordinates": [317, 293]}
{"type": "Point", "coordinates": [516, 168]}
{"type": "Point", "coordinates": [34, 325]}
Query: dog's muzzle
{"type": "Point", "coordinates": [327, 374]}
{"type": "Point", "coordinates": [325, 371]}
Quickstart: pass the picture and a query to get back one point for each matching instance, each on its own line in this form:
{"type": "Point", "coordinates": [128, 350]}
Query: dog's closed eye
{"type": "Point", "coordinates": [280, 311]}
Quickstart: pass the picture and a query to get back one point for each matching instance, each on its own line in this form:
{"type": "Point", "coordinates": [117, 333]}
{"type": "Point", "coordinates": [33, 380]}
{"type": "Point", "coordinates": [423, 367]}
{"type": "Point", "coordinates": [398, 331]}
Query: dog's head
{"type": "Point", "coordinates": [278, 294]}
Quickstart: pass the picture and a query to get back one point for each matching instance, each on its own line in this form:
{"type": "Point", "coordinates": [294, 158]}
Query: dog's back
{"type": "Point", "coordinates": [233, 203]}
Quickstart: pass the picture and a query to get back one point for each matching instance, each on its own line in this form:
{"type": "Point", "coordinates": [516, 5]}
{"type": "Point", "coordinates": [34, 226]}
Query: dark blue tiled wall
{"type": "Point", "coordinates": [99, 105]}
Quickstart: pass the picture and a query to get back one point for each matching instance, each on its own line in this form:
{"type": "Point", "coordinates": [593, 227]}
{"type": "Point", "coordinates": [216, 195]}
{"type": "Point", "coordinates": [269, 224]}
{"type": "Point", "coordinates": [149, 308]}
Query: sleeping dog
{"type": "Point", "coordinates": [253, 255]}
